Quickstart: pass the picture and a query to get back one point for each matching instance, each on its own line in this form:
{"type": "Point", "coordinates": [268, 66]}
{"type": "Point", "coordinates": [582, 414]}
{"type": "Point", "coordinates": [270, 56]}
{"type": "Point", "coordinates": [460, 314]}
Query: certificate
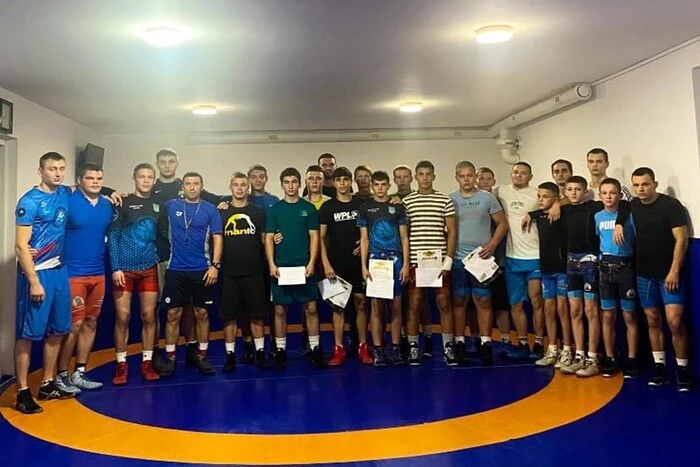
{"type": "Point", "coordinates": [428, 277]}
{"type": "Point", "coordinates": [429, 259]}
{"type": "Point", "coordinates": [336, 292]}
{"type": "Point", "coordinates": [382, 283]}
{"type": "Point", "coordinates": [481, 269]}
{"type": "Point", "coordinates": [292, 275]}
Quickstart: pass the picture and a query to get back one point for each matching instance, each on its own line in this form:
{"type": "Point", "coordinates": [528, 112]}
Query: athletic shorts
{"type": "Point", "coordinates": [582, 277]}
{"type": "Point", "coordinates": [162, 268]}
{"type": "Point", "coordinates": [653, 294]}
{"type": "Point", "coordinates": [554, 284]}
{"type": "Point", "coordinates": [36, 320]}
{"type": "Point", "coordinates": [499, 294]}
{"type": "Point", "coordinates": [86, 296]}
{"type": "Point", "coordinates": [146, 280]}
{"type": "Point", "coordinates": [288, 294]}
{"type": "Point", "coordinates": [412, 282]}
{"type": "Point", "coordinates": [354, 276]}
{"type": "Point", "coordinates": [518, 273]}
{"type": "Point", "coordinates": [464, 284]}
{"type": "Point", "coordinates": [617, 283]}
{"type": "Point", "coordinates": [398, 264]}
{"type": "Point", "coordinates": [243, 296]}
{"type": "Point", "coordinates": [185, 287]}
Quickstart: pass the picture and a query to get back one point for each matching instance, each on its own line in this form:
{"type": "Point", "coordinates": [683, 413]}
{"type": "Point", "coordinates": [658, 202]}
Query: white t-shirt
{"type": "Point", "coordinates": [517, 203]}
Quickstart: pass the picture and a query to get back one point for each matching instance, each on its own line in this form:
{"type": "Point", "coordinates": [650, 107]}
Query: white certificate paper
{"type": "Point", "coordinates": [382, 283]}
{"type": "Point", "coordinates": [292, 275]}
{"type": "Point", "coordinates": [481, 269]}
{"type": "Point", "coordinates": [429, 259]}
{"type": "Point", "coordinates": [428, 277]}
{"type": "Point", "coordinates": [337, 292]}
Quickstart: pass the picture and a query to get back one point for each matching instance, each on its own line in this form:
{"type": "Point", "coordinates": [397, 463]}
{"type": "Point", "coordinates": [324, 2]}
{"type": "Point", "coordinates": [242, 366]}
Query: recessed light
{"type": "Point", "coordinates": [204, 110]}
{"type": "Point", "coordinates": [494, 34]}
{"type": "Point", "coordinates": [411, 107]}
{"type": "Point", "coordinates": [162, 36]}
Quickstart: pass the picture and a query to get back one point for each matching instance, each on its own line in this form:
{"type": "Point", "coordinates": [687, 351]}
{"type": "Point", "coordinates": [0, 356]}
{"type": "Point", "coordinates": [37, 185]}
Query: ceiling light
{"type": "Point", "coordinates": [411, 107]}
{"type": "Point", "coordinates": [204, 110]}
{"type": "Point", "coordinates": [164, 36]}
{"type": "Point", "coordinates": [494, 34]}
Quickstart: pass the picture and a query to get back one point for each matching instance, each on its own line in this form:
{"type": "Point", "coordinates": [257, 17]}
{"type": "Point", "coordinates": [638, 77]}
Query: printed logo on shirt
{"type": "Point", "coordinates": [344, 216]}
{"type": "Point", "coordinates": [631, 294]}
{"type": "Point", "coordinates": [21, 212]}
{"type": "Point", "coordinates": [60, 216]}
{"type": "Point", "coordinates": [606, 225]}
{"type": "Point", "coordinates": [517, 204]}
{"type": "Point", "coordinates": [392, 210]}
{"type": "Point", "coordinates": [78, 302]}
{"type": "Point", "coordinates": [304, 213]}
{"type": "Point", "coordinates": [136, 207]}
{"type": "Point", "coordinates": [156, 207]}
{"type": "Point", "coordinates": [157, 191]}
{"type": "Point", "coordinates": [178, 213]}
{"type": "Point", "coordinates": [239, 224]}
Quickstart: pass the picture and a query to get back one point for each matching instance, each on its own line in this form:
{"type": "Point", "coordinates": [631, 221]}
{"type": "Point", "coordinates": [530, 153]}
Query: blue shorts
{"type": "Point", "coordinates": [464, 284]}
{"type": "Point", "coordinates": [518, 273]}
{"type": "Point", "coordinates": [554, 284]}
{"type": "Point", "coordinates": [398, 264]}
{"type": "Point", "coordinates": [653, 294]}
{"type": "Point", "coordinates": [36, 320]}
{"type": "Point", "coordinates": [582, 277]}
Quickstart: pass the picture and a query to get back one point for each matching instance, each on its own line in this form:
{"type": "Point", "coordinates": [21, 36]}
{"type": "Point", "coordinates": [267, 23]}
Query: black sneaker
{"type": "Point", "coordinates": [205, 368]}
{"type": "Point", "coordinates": [26, 403]}
{"type": "Point", "coordinates": [486, 353]}
{"type": "Point", "coordinates": [51, 391]}
{"type": "Point", "coordinates": [461, 353]}
{"type": "Point", "coordinates": [658, 375]}
{"type": "Point", "coordinates": [316, 358]}
{"type": "Point", "coordinates": [260, 360]}
{"type": "Point", "coordinates": [413, 354]}
{"type": "Point", "coordinates": [379, 357]}
{"type": "Point", "coordinates": [403, 347]}
{"type": "Point", "coordinates": [158, 361]}
{"type": "Point", "coordinates": [537, 352]}
{"type": "Point", "coordinates": [609, 367]}
{"type": "Point", "coordinates": [168, 368]}
{"type": "Point", "coordinates": [395, 357]}
{"type": "Point", "coordinates": [631, 370]}
{"type": "Point", "coordinates": [248, 352]}
{"type": "Point", "coordinates": [683, 378]}
{"type": "Point", "coordinates": [428, 349]}
{"type": "Point", "coordinates": [280, 361]}
{"type": "Point", "coordinates": [192, 355]}
{"type": "Point", "coordinates": [230, 364]}
{"type": "Point", "coordinates": [305, 347]}
{"type": "Point", "coordinates": [448, 354]}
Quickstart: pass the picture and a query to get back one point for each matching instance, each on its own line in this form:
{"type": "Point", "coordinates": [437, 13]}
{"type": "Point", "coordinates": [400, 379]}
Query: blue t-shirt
{"type": "Point", "coordinates": [382, 220]}
{"type": "Point", "coordinates": [605, 228]}
{"type": "Point", "coordinates": [86, 230]}
{"type": "Point", "coordinates": [46, 213]}
{"type": "Point", "coordinates": [473, 220]}
{"type": "Point", "coordinates": [263, 202]}
{"type": "Point", "coordinates": [190, 225]}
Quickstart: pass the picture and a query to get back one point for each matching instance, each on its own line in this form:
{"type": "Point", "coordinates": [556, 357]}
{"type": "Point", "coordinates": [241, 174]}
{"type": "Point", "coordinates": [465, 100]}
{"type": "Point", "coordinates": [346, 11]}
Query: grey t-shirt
{"type": "Point", "coordinates": [473, 220]}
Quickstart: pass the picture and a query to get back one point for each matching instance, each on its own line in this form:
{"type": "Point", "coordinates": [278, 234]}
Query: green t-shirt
{"type": "Point", "coordinates": [293, 221]}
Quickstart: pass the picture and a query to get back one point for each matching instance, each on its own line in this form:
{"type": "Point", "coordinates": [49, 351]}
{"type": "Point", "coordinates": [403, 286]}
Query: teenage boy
{"type": "Point", "coordinates": [363, 176]}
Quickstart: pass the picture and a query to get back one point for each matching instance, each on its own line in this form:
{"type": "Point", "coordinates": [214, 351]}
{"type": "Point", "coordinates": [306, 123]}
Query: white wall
{"type": "Point", "coordinates": [646, 117]}
{"type": "Point", "coordinates": [217, 162]}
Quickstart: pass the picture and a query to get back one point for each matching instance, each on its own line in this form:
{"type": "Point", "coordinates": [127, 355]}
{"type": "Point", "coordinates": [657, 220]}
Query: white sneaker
{"type": "Point", "coordinates": [590, 368]}
{"type": "Point", "coordinates": [83, 382]}
{"type": "Point", "coordinates": [566, 358]}
{"type": "Point", "coordinates": [63, 382]}
{"type": "Point", "coordinates": [572, 368]}
{"type": "Point", "coordinates": [550, 358]}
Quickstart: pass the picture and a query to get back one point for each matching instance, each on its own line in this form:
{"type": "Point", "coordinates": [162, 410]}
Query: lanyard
{"type": "Point", "coordinates": [188, 224]}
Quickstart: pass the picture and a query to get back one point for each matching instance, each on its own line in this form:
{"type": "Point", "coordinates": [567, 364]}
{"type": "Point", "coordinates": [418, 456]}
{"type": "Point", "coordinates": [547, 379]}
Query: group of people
{"type": "Point", "coordinates": [571, 248]}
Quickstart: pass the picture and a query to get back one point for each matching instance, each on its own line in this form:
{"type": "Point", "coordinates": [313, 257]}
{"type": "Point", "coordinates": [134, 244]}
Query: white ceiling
{"type": "Point", "coordinates": [319, 64]}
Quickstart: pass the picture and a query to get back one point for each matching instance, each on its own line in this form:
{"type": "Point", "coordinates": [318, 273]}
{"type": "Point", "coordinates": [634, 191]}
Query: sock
{"type": "Point", "coordinates": [682, 361]}
{"type": "Point", "coordinates": [203, 347]}
{"type": "Point", "coordinates": [447, 338]}
{"type": "Point", "coordinates": [313, 341]}
{"type": "Point", "coordinates": [281, 342]}
{"type": "Point", "coordinates": [485, 339]}
{"type": "Point", "coordinates": [592, 355]}
{"type": "Point", "coordinates": [659, 357]}
{"type": "Point", "coordinates": [121, 357]}
{"type": "Point", "coordinates": [552, 348]}
{"type": "Point", "coordinates": [147, 355]}
{"type": "Point", "coordinates": [413, 340]}
{"type": "Point", "coordinates": [170, 351]}
{"type": "Point", "coordinates": [80, 367]}
{"type": "Point", "coordinates": [427, 330]}
{"type": "Point", "coordinates": [539, 340]}
{"type": "Point", "coordinates": [459, 339]}
{"type": "Point", "coordinates": [45, 382]}
{"type": "Point", "coordinates": [230, 347]}
{"type": "Point", "coordinates": [192, 342]}
{"type": "Point", "coordinates": [522, 340]}
{"type": "Point", "coordinates": [581, 353]}
{"type": "Point", "coordinates": [21, 390]}
{"type": "Point", "coordinates": [567, 348]}
{"type": "Point", "coordinates": [259, 343]}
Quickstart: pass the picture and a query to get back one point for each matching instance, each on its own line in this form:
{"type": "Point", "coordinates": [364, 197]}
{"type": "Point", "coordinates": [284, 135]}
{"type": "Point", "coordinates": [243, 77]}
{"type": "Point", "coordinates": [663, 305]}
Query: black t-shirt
{"type": "Point", "coordinates": [343, 233]}
{"type": "Point", "coordinates": [363, 198]}
{"type": "Point", "coordinates": [655, 242]}
{"type": "Point", "coordinates": [244, 253]}
{"type": "Point", "coordinates": [552, 243]}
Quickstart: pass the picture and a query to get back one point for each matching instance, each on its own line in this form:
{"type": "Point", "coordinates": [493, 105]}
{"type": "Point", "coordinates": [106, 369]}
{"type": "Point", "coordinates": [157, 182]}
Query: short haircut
{"type": "Point", "coordinates": [314, 168]}
{"type": "Point", "coordinates": [166, 152]}
{"type": "Point", "coordinates": [341, 172]}
{"type": "Point", "coordinates": [524, 164]}
{"type": "Point", "coordinates": [362, 168]}
{"type": "Point", "coordinates": [563, 161]}
{"type": "Point", "coordinates": [485, 170]}
{"type": "Point", "coordinates": [642, 171]}
{"type": "Point", "coordinates": [50, 156]}
{"type": "Point", "coordinates": [578, 180]}
{"type": "Point", "coordinates": [401, 167]}
{"type": "Point", "coordinates": [144, 166]}
{"type": "Point", "coordinates": [425, 165]}
{"type": "Point", "coordinates": [88, 166]}
{"type": "Point", "coordinates": [259, 167]}
{"type": "Point", "coordinates": [599, 151]}
{"type": "Point", "coordinates": [612, 181]}
{"type": "Point", "coordinates": [193, 175]}
{"type": "Point", "coordinates": [238, 175]}
{"type": "Point", "coordinates": [465, 165]}
{"type": "Point", "coordinates": [380, 176]}
{"type": "Point", "coordinates": [290, 172]}
{"type": "Point", "coordinates": [550, 186]}
{"type": "Point", "coordinates": [325, 155]}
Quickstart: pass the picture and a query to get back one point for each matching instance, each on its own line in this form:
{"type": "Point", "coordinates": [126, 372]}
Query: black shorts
{"type": "Point", "coordinates": [180, 286]}
{"type": "Point", "coordinates": [617, 284]}
{"type": "Point", "coordinates": [499, 295]}
{"type": "Point", "coordinates": [243, 296]}
{"type": "Point", "coordinates": [353, 276]}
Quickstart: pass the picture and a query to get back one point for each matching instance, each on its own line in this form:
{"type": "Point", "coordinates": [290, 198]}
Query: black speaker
{"type": "Point", "coordinates": [91, 154]}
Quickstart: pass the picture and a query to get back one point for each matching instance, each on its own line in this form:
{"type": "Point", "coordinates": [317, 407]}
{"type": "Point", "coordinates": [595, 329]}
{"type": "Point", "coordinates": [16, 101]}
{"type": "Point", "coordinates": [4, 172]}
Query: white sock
{"type": "Point", "coordinates": [539, 340]}
{"type": "Point", "coordinates": [447, 338]}
{"type": "Point", "coordinates": [682, 361]}
{"type": "Point", "coordinates": [459, 339]}
{"type": "Point", "coordinates": [147, 355]}
{"type": "Point", "coordinates": [230, 347]}
{"type": "Point", "coordinates": [567, 348]}
{"type": "Point", "coordinates": [581, 353]}
{"type": "Point", "coordinates": [659, 357]}
{"type": "Point", "coordinates": [552, 348]}
{"type": "Point", "coordinates": [203, 346]}
{"type": "Point", "coordinates": [485, 339]}
{"type": "Point", "coordinates": [522, 340]}
{"type": "Point", "coordinates": [170, 347]}
{"type": "Point", "coordinates": [313, 341]}
{"type": "Point", "coordinates": [281, 342]}
{"type": "Point", "coordinates": [121, 357]}
{"type": "Point", "coordinates": [413, 340]}
{"type": "Point", "coordinates": [592, 355]}
{"type": "Point", "coordinates": [259, 343]}
{"type": "Point", "coordinates": [194, 342]}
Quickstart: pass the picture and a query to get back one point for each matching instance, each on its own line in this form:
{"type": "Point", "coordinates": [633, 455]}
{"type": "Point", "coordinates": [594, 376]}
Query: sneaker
{"type": "Point", "coordinates": [64, 383]}
{"type": "Point", "coordinates": [158, 361]}
{"type": "Point", "coordinates": [121, 375]}
{"type": "Point", "coordinates": [363, 354]}
{"type": "Point", "coordinates": [566, 358]}
{"type": "Point", "coordinates": [413, 354]}
{"type": "Point", "coordinates": [338, 357]}
{"type": "Point", "coordinates": [395, 356]}
{"type": "Point", "coordinates": [83, 382]}
{"type": "Point", "coordinates": [260, 360]}
{"type": "Point", "coordinates": [551, 357]}
{"type": "Point", "coordinates": [230, 363]}
{"type": "Point", "coordinates": [486, 354]}
{"type": "Point", "coordinates": [448, 354]}
{"type": "Point", "coordinates": [590, 368]}
{"type": "Point", "coordinates": [461, 353]}
{"type": "Point", "coordinates": [631, 370]}
{"type": "Point", "coordinates": [192, 355]}
{"type": "Point", "coordinates": [280, 360]}
{"type": "Point", "coordinates": [379, 357]}
{"type": "Point", "coordinates": [609, 367]}
{"type": "Point", "coordinates": [537, 352]}
{"type": "Point", "coordinates": [472, 346]}
{"type": "Point", "coordinates": [205, 368]}
{"type": "Point", "coordinates": [168, 367]}
{"type": "Point", "coordinates": [428, 349]}
{"type": "Point", "coordinates": [26, 403]}
{"type": "Point", "coordinates": [574, 366]}
{"type": "Point", "coordinates": [50, 391]}
{"type": "Point", "coordinates": [658, 375]}
{"type": "Point", "coordinates": [248, 353]}
{"type": "Point", "coordinates": [521, 352]}
{"type": "Point", "coordinates": [403, 347]}
{"type": "Point", "coordinates": [316, 358]}
{"type": "Point", "coordinates": [305, 346]}
{"type": "Point", "coordinates": [683, 378]}
{"type": "Point", "coordinates": [148, 372]}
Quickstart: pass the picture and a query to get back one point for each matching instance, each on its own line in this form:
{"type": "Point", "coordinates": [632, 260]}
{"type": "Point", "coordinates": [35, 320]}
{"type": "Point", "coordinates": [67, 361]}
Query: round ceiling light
{"type": "Point", "coordinates": [204, 110]}
{"type": "Point", "coordinates": [411, 107]}
{"type": "Point", "coordinates": [494, 34]}
{"type": "Point", "coordinates": [164, 36]}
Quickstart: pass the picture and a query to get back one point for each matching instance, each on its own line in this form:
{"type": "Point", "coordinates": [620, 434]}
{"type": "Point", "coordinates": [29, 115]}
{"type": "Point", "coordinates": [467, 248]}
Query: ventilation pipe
{"type": "Point", "coordinates": [509, 146]}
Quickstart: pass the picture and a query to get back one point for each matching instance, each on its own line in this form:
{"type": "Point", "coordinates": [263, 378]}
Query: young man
{"type": "Point", "coordinates": [192, 222]}
{"type": "Point", "coordinates": [133, 251]}
{"type": "Point", "coordinates": [552, 236]}
{"type": "Point", "coordinates": [522, 264]}
{"type": "Point", "coordinates": [43, 289]}
{"type": "Point", "coordinates": [259, 197]}
{"type": "Point", "coordinates": [617, 280]}
{"type": "Point", "coordinates": [297, 221]}
{"type": "Point", "coordinates": [598, 162]}
{"type": "Point", "coordinates": [403, 177]}
{"type": "Point", "coordinates": [89, 215]}
{"type": "Point", "coordinates": [384, 236]}
{"type": "Point", "coordinates": [328, 164]}
{"type": "Point", "coordinates": [433, 230]}
{"type": "Point", "coordinates": [476, 210]}
{"type": "Point", "coordinates": [339, 239]}
{"type": "Point", "coordinates": [561, 171]}
{"type": "Point", "coordinates": [363, 175]}
{"type": "Point", "coordinates": [314, 185]}
{"type": "Point", "coordinates": [662, 241]}
{"type": "Point", "coordinates": [243, 294]}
